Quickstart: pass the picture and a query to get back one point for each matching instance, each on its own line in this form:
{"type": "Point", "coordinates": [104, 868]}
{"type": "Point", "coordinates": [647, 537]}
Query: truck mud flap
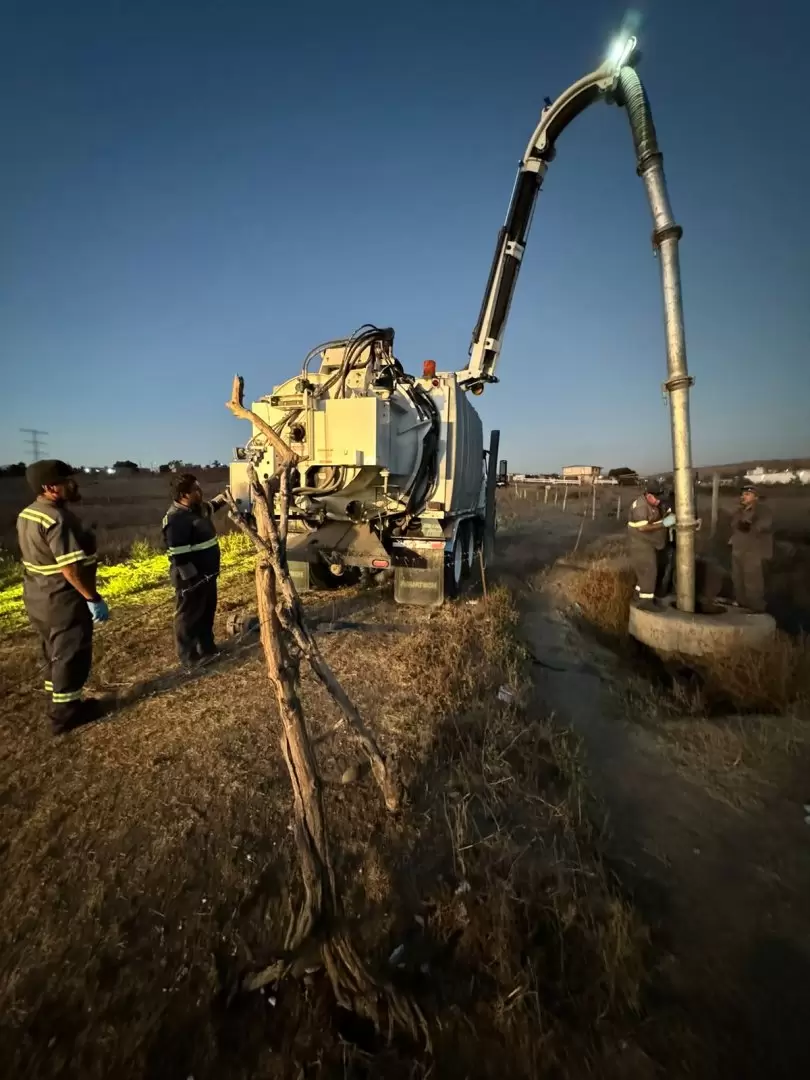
{"type": "Point", "coordinates": [421, 585]}
{"type": "Point", "coordinates": [299, 572]}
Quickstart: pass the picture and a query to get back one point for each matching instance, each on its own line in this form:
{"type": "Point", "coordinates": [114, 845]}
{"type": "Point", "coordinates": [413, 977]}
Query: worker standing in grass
{"type": "Point", "coordinates": [190, 537]}
{"type": "Point", "coordinates": [59, 590]}
{"type": "Point", "coordinates": [648, 525]}
{"type": "Point", "coordinates": [751, 544]}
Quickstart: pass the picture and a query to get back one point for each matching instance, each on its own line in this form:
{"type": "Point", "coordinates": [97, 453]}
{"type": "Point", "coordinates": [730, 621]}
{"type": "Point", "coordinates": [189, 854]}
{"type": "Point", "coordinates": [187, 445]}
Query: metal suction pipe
{"type": "Point", "coordinates": [666, 234]}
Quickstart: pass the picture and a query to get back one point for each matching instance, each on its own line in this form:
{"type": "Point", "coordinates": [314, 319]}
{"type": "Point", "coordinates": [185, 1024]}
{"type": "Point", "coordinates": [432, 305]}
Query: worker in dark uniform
{"type": "Point", "coordinates": [190, 537]}
{"type": "Point", "coordinates": [59, 590]}
{"type": "Point", "coordinates": [666, 570]}
{"type": "Point", "coordinates": [648, 525]}
{"type": "Point", "coordinates": [751, 544]}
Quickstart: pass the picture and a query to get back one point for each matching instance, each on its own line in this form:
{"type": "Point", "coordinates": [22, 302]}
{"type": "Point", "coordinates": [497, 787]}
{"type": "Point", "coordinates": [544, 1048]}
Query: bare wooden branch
{"type": "Point", "coordinates": [284, 509]}
{"type": "Point", "coordinates": [286, 640]}
{"type": "Point", "coordinates": [237, 407]}
{"type": "Point", "coordinates": [291, 617]}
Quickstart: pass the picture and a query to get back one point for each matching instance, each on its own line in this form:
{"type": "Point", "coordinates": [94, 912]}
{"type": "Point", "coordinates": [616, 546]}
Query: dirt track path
{"type": "Point", "coordinates": [725, 891]}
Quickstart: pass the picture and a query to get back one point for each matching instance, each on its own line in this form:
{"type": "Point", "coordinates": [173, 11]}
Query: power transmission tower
{"type": "Point", "coordinates": [34, 440]}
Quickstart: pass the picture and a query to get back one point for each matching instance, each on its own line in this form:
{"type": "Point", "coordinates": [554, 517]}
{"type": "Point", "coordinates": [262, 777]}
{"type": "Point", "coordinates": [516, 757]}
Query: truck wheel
{"type": "Point", "coordinates": [454, 568]}
{"type": "Point", "coordinates": [323, 578]}
{"type": "Point", "coordinates": [467, 532]}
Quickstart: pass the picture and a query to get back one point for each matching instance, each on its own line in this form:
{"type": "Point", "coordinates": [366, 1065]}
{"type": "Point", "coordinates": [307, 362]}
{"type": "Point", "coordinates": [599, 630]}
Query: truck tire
{"type": "Point", "coordinates": [454, 568]}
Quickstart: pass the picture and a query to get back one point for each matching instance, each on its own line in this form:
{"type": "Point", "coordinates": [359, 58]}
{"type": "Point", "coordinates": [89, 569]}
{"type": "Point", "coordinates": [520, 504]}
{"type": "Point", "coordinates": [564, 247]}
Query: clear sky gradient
{"type": "Point", "coordinates": [194, 187]}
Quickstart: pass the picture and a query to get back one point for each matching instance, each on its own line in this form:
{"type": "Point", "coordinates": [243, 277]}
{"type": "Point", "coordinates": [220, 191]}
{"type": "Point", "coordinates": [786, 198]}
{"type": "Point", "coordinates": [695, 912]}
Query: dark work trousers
{"type": "Point", "coordinates": [666, 570]}
{"type": "Point", "coordinates": [194, 620]}
{"type": "Point", "coordinates": [748, 577]}
{"type": "Point", "coordinates": [64, 626]}
{"type": "Point", "coordinates": [646, 562]}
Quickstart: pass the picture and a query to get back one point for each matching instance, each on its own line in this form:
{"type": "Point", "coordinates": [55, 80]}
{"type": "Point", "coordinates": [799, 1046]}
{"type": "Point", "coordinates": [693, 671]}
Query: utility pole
{"type": "Point", "coordinates": [35, 441]}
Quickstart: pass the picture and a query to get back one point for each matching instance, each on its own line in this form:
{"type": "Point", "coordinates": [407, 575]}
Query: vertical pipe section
{"type": "Point", "coordinates": [666, 235]}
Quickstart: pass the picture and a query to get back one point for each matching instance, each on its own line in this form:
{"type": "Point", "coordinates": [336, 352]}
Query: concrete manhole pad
{"type": "Point", "coordinates": [669, 631]}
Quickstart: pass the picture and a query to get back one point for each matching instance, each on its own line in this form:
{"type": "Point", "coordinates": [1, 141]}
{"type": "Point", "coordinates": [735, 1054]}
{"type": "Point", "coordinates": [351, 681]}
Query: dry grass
{"type": "Point", "coordinates": [543, 946]}
{"type": "Point", "coordinates": [148, 864]}
{"type": "Point", "coordinates": [601, 590]}
{"type": "Point", "coordinates": [774, 680]}
{"type": "Point", "coordinates": [740, 723]}
{"type": "Point", "coordinates": [123, 510]}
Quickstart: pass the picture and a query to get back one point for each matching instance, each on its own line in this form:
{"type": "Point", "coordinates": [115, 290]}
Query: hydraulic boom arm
{"type": "Point", "coordinates": [511, 243]}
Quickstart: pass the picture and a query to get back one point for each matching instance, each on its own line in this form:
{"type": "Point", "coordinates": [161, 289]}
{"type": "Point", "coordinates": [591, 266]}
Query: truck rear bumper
{"type": "Point", "coordinates": [338, 541]}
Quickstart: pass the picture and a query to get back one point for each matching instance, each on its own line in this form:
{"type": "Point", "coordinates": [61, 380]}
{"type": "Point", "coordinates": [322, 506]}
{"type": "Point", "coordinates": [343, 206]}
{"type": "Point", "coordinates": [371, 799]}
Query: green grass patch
{"type": "Point", "coordinates": [120, 583]}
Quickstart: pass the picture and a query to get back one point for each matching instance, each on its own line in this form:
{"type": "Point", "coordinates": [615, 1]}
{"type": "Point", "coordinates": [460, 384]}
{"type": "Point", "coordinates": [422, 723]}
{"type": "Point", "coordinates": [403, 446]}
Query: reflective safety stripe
{"type": "Point", "coordinates": [56, 568]}
{"type": "Point", "coordinates": [638, 524]}
{"type": "Point", "coordinates": [71, 557]}
{"type": "Point", "coordinates": [65, 699]}
{"type": "Point", "coordinates": [185, 549]}
{"type": "Point", "coordinates": [89, 560]}
{"type": "Point", "coordinates": [165, 521]}
{"type": "Point", "coordinates": [38, 516]}
{"type": "Point", "coordinates": [645, 595]}
{"type": "Point", "coordinates": [48, 685]}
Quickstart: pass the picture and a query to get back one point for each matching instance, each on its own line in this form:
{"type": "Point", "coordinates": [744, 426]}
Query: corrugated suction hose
{"type": "Point", "coordinates": [633, 96]}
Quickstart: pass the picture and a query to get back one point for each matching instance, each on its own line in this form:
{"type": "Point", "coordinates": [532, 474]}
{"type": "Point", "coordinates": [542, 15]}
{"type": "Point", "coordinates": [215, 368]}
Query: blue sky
{"type": "Point", "coordinates": [195, 188]}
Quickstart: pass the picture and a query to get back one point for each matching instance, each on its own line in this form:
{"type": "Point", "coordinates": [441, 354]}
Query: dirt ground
{"type": "Point", "coordinates": [705, 813]}
{"type": "Point", "coordinates": [570, 892]}
{"type": "Point", "coordinates": [148, 864]}
{"type": "Point", "coordinates": [123, 509]}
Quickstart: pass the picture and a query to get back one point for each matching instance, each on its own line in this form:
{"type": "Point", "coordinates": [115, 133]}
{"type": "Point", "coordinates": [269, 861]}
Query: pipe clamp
{"type": "Point", "coordinates": [666, 232]}
{"type": "Point", "coordinates": [678, 382]}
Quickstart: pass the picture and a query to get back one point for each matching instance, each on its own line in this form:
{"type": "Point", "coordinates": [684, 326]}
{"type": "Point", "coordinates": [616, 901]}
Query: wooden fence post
{"type": "Point", "coordinates": [715, 501]}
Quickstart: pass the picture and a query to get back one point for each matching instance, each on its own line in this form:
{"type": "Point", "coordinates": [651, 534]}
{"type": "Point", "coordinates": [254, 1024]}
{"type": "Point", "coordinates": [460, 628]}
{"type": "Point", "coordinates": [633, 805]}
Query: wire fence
{"type": "Point", "coordinates": [586, 500]}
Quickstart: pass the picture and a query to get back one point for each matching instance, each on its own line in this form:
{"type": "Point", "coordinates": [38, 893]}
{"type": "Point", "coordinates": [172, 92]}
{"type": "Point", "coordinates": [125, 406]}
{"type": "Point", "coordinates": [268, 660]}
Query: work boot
{"type": "Point", "coordinates": [81, 713]}
{"type": "Point", "coordinates": [191, 667]}
{"type": "Point", "coordinates": [645, 605]}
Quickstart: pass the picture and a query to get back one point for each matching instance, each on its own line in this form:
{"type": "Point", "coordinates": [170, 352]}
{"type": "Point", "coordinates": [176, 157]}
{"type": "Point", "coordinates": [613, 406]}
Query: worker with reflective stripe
{"type": "Point", "coordinates": [648, 527]}
{"type": "Point", "coordinates": [59, 590]}
{"type": "Point", "coordinates": [190, 536]}
{"type": "Point", "coordinates": [751, 545]}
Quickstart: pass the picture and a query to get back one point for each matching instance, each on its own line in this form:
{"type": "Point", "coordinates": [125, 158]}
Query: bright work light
{"type": "Point", "coordinates": [620, 52]}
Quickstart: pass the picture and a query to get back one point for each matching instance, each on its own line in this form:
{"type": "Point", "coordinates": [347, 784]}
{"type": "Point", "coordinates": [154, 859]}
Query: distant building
{"type": "Point", "coordinates": [585, 474]}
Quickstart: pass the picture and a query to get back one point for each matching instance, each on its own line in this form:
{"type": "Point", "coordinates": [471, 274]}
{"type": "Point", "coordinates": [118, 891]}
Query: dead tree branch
{"type": "Point", "coordinates": [286, 640]}
{"type": "Point", "coordinates": [236, 405]}
{"type": "Point", "coordinates": [291, 617]}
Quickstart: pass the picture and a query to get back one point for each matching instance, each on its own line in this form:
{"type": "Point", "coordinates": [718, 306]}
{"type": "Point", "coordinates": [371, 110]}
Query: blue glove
{"type": "Point", "coordinates": [99, 610]}
{"type": "Point", "coordinates": [669, 521]}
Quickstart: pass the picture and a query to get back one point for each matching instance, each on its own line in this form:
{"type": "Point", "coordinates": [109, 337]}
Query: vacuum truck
{"type": "Point", "coordinates": [393, 473]}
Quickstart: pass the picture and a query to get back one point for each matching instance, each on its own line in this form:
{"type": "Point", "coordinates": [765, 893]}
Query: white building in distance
{"type": "Point", "coordinates": [585, 474]}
